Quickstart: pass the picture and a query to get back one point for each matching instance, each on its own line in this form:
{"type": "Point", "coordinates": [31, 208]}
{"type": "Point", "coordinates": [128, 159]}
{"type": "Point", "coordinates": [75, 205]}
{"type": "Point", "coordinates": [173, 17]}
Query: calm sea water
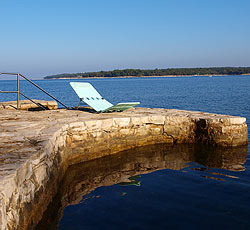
{"type": "Point", "coordinates": [158, 187]}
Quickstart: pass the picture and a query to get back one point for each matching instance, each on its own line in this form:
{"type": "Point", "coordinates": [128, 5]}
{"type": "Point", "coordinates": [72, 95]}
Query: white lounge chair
{"type": "Point", "coordinates": [88, 94]}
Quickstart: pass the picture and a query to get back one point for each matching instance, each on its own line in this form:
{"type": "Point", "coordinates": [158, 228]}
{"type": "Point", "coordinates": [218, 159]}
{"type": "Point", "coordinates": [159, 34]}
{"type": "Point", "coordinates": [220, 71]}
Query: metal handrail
{"type": "Point", "coordinates": [18, 90]}
{"type": "Point", "coordinates": [38, 104]}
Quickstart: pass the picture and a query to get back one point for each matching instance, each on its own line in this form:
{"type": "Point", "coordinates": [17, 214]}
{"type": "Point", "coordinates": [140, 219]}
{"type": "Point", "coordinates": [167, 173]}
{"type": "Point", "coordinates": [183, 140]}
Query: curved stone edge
{"type": "Point", "coordinates": [26, 193]}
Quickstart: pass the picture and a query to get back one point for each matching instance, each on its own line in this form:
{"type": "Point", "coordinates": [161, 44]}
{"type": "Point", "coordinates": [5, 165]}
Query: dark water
{"type": "Point", "coordinates": [158, 187]}
{"type": "Point", "coordinates": [155, 187]}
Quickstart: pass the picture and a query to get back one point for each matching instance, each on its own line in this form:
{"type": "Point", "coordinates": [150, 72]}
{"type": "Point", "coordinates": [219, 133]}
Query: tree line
{"type": "Point", "coordinates": [157, 72]}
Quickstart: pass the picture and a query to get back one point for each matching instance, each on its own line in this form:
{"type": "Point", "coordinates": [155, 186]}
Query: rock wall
{"type": "Point", "coordinates": [37, 148]}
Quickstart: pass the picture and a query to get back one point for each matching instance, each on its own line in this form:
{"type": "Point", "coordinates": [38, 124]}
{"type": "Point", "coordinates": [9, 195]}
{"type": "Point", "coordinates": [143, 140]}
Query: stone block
{"type": "Point", "coordinates": [107, 125]}
{"type": "Point", "coordinates": [40, 173]}
{"type": "Point", "coordinates": [136, 121]}
{"type": "Point", "coordinates": [122, 122]}
{"type": "Point", "coordinates": [93, 125]}
{"type": "Point", "coordinates": [157, 119]}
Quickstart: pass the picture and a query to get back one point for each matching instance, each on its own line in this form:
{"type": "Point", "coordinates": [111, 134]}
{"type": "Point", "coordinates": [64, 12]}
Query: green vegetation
{"type": "Point", "coordinates": [157, 72]}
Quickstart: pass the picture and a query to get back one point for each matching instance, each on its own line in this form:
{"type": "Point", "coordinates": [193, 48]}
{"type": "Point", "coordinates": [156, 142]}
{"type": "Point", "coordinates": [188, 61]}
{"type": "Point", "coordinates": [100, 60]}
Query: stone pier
{"type": "Point", "coordinates": [36, 148]}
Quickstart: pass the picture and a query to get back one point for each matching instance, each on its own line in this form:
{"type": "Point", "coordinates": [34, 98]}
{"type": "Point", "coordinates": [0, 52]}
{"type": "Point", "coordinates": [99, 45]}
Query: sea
{"type": "Point", "coordinates": [161, 186]}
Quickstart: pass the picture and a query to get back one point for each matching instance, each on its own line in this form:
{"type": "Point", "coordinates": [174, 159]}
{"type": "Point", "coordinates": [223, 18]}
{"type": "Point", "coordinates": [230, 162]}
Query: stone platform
{"type": "Point", "coordinates": [36, 148]}
{"type": "Point", "coordinates": [28, 105]}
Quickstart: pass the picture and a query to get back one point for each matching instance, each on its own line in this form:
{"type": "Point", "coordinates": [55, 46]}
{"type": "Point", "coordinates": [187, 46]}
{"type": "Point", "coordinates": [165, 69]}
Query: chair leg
{"type": "Point", "coordinates": [79, 102]}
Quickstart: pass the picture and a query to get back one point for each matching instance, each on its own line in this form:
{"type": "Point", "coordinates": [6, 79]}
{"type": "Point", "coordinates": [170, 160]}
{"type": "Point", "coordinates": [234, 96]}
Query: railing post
{"type": "Point", "coordinates": [18, 90]}
{"type": "Point", "coordinates": [17, 100]}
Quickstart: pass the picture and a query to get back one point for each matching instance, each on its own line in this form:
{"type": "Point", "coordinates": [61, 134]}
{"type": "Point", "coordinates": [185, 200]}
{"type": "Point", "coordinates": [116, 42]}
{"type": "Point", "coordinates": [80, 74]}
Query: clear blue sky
{"type": "Point", "coordinates": [44, 37]}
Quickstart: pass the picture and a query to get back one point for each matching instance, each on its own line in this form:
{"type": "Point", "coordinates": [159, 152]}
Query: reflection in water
{"type": "Point", "coordinates": [125, 167]}
{"type": "Point", "coordinates": [133, 180]}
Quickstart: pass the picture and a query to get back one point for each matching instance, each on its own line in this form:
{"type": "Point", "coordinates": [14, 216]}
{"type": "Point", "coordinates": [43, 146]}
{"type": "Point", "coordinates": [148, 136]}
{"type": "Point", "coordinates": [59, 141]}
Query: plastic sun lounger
{"type": "Point", "coordinates": [88, 94]}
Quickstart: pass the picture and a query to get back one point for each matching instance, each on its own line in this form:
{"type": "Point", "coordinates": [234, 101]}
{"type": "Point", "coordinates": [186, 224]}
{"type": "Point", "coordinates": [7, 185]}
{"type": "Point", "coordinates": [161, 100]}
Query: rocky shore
{"type": "Point", "coordinates": [36, 148]}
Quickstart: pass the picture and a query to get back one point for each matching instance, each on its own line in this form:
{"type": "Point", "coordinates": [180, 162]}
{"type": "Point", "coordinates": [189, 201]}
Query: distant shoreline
{"type": "Point", "coordinates": [167, 76]}
{"type": "Point", "coordinates": [170, 72]}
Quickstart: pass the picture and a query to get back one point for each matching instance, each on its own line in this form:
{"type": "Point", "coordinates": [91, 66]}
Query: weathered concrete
{"type": "Point", "coordinates": [37, 147]}
{"type": "Point", "coordinates": [28, 105]}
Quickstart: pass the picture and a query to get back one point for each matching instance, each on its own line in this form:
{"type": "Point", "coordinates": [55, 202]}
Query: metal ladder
{"type": "Point", "coordinates": [18, 75]}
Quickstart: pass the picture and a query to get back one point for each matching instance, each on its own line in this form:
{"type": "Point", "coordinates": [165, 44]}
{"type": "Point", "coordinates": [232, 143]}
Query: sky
{"type": "Point", "coordinates": [45, 37]}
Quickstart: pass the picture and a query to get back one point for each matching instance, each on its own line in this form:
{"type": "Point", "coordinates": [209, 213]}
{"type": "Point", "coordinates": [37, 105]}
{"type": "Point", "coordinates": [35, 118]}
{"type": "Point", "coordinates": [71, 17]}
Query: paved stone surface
{"type": "Point", "coordinates": [37, 147]}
